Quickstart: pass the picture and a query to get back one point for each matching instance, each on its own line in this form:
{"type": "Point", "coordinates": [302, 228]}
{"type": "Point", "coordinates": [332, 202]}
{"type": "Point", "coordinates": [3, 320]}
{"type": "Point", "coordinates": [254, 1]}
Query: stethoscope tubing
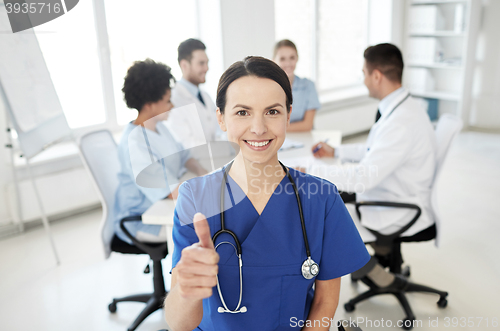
{"type": "Point", "coordinates": [399, 104]}
{"type": "Point", "coordinates": [301, 214]}
{"type": "Point", "coordinates": [232, 234]}
{"type": "Point", "coordinates": [222, 220]}
{"type": "Point", "coordinates": [309, 268]}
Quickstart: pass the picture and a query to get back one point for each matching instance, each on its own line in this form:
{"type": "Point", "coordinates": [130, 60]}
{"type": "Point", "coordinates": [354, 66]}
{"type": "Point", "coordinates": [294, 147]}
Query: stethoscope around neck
{"type": "Point", "coordinates": [309, 268]}
{"type": "Point", "coordinates": [399, 104]}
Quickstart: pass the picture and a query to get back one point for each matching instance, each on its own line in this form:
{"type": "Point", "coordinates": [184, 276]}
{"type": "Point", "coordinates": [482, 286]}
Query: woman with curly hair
{"type": "Point", "coordinates": [151, 159]}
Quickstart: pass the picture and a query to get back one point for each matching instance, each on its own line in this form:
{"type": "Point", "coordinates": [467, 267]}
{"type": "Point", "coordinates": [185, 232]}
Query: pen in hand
{"type": "Point", "coordinates": [317, 148]}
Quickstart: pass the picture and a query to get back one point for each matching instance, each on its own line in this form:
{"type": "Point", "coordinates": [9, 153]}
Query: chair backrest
{"type": "Point", "coordinates": [447, 128]}
{"type": "Point", "coordinates": [100, 154]}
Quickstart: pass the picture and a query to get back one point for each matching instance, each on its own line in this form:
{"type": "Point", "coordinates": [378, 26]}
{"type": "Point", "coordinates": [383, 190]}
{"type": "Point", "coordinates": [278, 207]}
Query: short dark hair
{"type": "Point", "coordinates": [253, 66]}
{"type": "Point", "coordinates": [146, 81]}
{"type": "Point", "coordinates": [386, 58]}
{"type": "Point", "coordinates": [284, 43]}
{"type": "Point", "coordinates": [187, 47]}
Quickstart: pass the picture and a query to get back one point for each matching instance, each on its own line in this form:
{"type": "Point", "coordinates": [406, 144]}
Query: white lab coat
{"type": "Point", "coordinates": [396, 164]}
{"type": "Point", "coordinates": [186, 128]}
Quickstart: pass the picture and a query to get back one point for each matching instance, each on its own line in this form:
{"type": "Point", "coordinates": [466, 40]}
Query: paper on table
{"type": "Point", "coordinates": [334, 136]}
{"type": "Point", "coordinates": [303, 162]}
{"type": "Point", "coordinates": [321, 166]}
{"type": "Point", "coordinates": [289, 144]}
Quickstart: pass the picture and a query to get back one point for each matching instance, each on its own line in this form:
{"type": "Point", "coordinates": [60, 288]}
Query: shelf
{"type": "Point", "coordinates": [440, 38]}
{"type": "Point", "coordinates": [437, 2]}
{"type": "Point", "coordinates": [449, 96]}
{"type": "Point", "coordinates": [437, 34]}
{"type": "Point", "coordinates": [435, 66]}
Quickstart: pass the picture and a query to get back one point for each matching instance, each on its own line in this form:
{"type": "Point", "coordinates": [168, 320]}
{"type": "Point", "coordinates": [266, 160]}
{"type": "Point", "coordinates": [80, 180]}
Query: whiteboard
{"type": "Point", "coordinates": [28, 91]}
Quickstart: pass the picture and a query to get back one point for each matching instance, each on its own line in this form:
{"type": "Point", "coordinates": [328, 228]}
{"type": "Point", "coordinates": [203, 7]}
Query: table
{"type": "Point", "coordinates": [162, 212]}
{"type": "Point", "coordinates": [299, 156]}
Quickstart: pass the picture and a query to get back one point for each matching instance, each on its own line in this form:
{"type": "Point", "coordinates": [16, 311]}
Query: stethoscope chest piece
{"type": "Point", "coordinates": [310, 269]}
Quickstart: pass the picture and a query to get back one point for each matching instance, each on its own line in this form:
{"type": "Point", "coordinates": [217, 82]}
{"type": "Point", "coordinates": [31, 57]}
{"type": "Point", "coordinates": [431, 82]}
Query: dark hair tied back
{"type": "Point", "coordinates": [253, 66]}
{"type": "Point", "coordinates": [284, 43]}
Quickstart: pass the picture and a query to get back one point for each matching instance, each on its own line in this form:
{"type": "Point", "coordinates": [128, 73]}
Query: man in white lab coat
{"type": "Point", "coordinates": [398, 161]}
{"type": "Point", "coordinates": [193, 119]}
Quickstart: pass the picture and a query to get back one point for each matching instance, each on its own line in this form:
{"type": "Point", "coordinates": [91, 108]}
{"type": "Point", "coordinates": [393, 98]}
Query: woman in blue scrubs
{"type": "Point", "coordinates": [260, 207]}
{"type": "Point", "coordinates": [305, 97]}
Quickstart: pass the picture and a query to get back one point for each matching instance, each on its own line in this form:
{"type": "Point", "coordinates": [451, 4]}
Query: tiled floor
{"type": "Point", "coordinates": [35, 294]}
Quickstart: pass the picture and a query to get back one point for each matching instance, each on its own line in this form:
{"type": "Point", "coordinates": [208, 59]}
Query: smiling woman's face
{"type": "Point", "coordinates": [255, 117]}
{"type": "Point", "coordinates": [286, 57]}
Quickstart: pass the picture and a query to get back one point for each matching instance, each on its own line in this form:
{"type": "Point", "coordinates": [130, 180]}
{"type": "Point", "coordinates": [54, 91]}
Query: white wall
{"type": "Point", "coordinates": [485, 110]}
{"type": "Point", "coordinates": [5, 169]}
{"type": "Point", "coordinates": [350, 119]}
{"type": "Point", "coordinates": [61, 193]}
{"type": "Point", "coordinates": [247, 29]}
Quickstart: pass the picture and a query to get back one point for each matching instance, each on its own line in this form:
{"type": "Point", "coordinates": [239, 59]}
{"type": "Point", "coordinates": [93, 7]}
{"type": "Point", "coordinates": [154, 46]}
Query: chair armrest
{"type": "Point", "coordinates": [387, 239]}
{"type": "Point", "coordinates": [146, 248]}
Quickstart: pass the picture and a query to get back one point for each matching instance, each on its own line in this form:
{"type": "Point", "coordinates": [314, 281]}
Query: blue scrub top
{"type": "Point", "coordinates": [135, 150]}
{"type": "Point", "coordinates": [305, 97]}
{"type": "Point", "coordinates": [273, 249]}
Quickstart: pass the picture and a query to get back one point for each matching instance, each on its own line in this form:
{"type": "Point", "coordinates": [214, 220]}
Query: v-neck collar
{"type": "Point", "coordinates": [246, 196]}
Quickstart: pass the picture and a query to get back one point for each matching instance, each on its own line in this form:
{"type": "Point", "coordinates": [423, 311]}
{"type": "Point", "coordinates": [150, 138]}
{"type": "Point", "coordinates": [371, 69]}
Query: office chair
{"type": "Point", "coordinates": [350, 326]}
{"type": "Point", "coordinates": [100, 153]}
{"type": "Point", "coordinates": [446, 129]}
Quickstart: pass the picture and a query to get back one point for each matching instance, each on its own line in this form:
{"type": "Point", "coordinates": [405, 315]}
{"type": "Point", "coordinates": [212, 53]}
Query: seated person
{"type": "Point", "coordinates": [145, 140]}
{"type": "Point", "coordinates": [193, 62]}
{"type": "Point", "coordinates": [398, 161]}
{"type": "Point", "coordinates": [305, 97]}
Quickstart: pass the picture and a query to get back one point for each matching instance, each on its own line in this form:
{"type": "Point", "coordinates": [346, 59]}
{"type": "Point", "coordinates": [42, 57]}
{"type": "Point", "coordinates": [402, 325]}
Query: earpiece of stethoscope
{"type": "Point", "coordinates": [224, 310]}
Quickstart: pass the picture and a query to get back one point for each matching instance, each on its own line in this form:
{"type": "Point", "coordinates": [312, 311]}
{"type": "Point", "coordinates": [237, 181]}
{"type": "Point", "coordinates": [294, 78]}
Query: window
{"type": "Point", "coordinates": [136, 31]}
{"type": "Point", "coordinates": [330, 35]}
{"type": "Point", "coordinates": [149, 28]}
{"type": "Point", "coordinates": [69, 46]}
{"type": "Point", "coordinates": [341, 42]}
{"type": "Point", "coordinates": [294, 20]}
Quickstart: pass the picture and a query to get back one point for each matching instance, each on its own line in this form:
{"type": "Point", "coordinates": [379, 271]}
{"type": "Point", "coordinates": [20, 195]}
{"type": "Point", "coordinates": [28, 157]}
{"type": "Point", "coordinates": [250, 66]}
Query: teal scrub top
{"type": "Point", "coordinates": [305, 97]}
{"type": "Point", "coordinates": [273, 249]}
{"type": "Point", "coordinates": [137, 150]}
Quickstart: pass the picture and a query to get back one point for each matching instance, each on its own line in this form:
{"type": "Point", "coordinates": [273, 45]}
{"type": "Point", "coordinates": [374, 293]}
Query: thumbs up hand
{"type": "Point", "coordinates": [197, 269]}
{"type": "Point", "coordinates": [202, 230]}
